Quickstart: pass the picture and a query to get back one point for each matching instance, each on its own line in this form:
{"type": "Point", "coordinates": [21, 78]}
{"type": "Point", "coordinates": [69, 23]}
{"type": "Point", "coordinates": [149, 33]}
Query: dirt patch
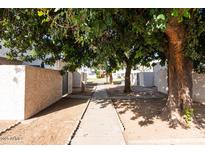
{"type": "Point", "coordinates": [4, 124]}
{"type": "Point", "coordinates": [144, 122]}
{"type": "Point", "coordinates": [53, 125]}
{"type": "Point", "coordinates": [137, 91]}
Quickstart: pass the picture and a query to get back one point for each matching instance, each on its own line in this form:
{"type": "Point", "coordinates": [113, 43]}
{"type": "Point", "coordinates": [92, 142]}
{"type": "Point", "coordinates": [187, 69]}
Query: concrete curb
{"type": "Point", "coordinates": [79, 96]}
{"type": "Point", "coordinates": [135, 98]}
{"type": "Point", "coordinates": [77, 124]}
{"type": "Point", "coordinates": [10, 127]}
{"type": "Point", "coordinates": [122, 127]}
{"type": "Point", "coordinates": [118, 117]}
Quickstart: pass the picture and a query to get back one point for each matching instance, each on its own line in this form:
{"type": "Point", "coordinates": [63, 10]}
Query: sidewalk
{"type": "Point", "coordinates": [100, 124]}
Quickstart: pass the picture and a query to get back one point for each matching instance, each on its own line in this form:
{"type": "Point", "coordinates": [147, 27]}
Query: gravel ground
{"type": "Point", "coordinates": [53, 125]}
{"type": "Point", "coordinates": [137, 91]}
{"type": "Point", "coordinates": [4, 124]}
{"type": "Point", "coordinates": [144, 123]}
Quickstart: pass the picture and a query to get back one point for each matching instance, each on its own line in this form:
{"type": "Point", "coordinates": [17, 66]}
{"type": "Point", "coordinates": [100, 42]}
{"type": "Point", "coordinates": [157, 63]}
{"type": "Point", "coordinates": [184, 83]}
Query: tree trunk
{"type": "Point", "coordinates": [127, 87]}
{"type": "Point", "coordinates": [179, 72]}
{"type": "Point", "coordinates": [111, 78]}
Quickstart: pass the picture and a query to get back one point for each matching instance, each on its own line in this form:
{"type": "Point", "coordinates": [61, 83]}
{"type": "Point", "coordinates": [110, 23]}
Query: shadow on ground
{"type": "Point", "coordinates": [60, 105]}
{"type": "Point", "coordinates": [146, 110]}
{"type": "Point", "coordinates": [67, 102]}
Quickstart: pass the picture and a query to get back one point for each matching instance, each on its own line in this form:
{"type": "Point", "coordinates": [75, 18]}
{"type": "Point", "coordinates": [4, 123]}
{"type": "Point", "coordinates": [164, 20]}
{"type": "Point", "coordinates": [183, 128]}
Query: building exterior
{"type": "Point", "coordinates": [141, 76]}
{"type": "Point", "coordinates": [26, 90]}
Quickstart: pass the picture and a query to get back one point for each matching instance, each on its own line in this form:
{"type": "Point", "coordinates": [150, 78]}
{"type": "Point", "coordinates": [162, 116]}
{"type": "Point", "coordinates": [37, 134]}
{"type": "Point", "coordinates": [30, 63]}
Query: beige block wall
{"type": "Point", "coordinates": [12, 90]}
{"type": "Point", "coordinates": [43, 87]}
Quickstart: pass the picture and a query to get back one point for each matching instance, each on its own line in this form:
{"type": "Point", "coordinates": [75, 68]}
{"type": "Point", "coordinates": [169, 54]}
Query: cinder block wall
{"type": "Point", "coordinates": [43, 87]}
{"type": "Point", "coordinates": [26, 90]}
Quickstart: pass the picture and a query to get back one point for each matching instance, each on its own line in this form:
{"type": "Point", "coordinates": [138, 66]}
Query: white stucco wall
{"type": "Point", "coordinates": [160, 81]}
{"type": "Point", "coordinates": [160, 78]}
{"type": "Point", "coordinates": [12, 90]}
{"type": "Point", "coordinates": [134, 79]}
{"type": "Point", "coordinates": [141, 79]}
{"type": "Point", "coordinates": [198, 87]}
{"type": "Point", "coordinates": [84, 77]}
{"type": "Point", "coordinates": [26, 90]}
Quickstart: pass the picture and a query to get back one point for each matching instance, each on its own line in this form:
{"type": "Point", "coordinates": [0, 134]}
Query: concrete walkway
{"type": "Point", "coordinates": [100, 124]}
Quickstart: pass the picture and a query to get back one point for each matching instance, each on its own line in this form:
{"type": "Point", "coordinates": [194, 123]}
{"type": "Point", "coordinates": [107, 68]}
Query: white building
{"type": "Point", "coordinates": [198, 80]}
{"type": "Point", "coordinates": [142, 76]}
{"type": "Point", "coordinates": [89, 71]}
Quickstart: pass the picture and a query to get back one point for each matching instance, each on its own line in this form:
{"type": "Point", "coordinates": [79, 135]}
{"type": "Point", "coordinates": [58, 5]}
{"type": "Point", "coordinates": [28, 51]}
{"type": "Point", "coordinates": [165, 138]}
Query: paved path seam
{"type": "Point", "coordinates": [100, 124]}
{"type": "Point", "coordinates": [77, 124]}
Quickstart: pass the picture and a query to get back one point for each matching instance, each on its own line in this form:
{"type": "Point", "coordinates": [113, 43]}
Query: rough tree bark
{"type": "Point", "coordinates": [110, 78]}
{"type": "Point", "coordinates": [179, 72]}
{"type": "Point", "coordinates": [127, 87]}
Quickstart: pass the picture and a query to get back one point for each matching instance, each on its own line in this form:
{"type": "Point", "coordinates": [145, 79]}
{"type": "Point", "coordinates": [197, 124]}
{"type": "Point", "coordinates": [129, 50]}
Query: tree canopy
{"type": "Point", "coordinates": [113, 38]}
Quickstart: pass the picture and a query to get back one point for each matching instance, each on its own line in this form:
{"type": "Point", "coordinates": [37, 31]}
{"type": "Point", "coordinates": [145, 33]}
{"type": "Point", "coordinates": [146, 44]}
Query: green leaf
{"type": "Point", "coordinates": [109, 20]}
{"type": "Point", "coordinates": [18, 17]}
{"type": "Point", "coordinates": [186, 14]}
{"type": "Point", "coordinates": [40, 13]}
{"type": "Point", "coordinates": [175, 13]}
{"type": "Point", "coordinates": [161, 16]}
